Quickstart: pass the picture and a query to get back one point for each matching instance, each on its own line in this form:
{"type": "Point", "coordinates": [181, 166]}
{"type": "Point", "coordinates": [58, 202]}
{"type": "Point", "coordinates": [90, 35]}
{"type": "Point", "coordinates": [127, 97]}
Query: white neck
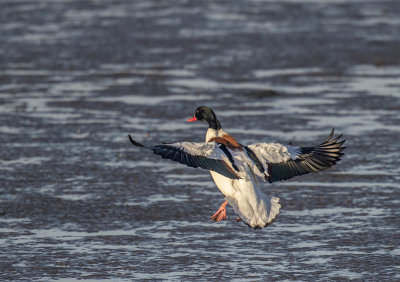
{"type": "Point", "coordinates": [211, 133]}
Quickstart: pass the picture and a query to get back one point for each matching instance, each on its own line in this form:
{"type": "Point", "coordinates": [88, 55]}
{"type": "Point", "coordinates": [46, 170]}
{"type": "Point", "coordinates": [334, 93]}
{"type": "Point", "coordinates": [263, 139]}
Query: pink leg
{"type": "Point", "coordinates": [221, 213]}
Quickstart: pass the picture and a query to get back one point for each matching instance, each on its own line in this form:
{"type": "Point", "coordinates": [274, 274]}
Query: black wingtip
{"type": "Point", "coordinates": [330, 135]}
{"type": "Point", "coordinates": [134, 142]}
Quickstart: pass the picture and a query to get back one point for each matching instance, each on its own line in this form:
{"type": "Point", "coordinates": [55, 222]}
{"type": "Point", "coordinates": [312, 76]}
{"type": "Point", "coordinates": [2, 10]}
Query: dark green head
{"type": "Point", "coordinates": [206, 114]}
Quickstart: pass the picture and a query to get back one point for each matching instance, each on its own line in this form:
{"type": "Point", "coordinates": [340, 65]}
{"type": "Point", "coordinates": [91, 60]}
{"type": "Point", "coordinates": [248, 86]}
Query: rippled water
{"type": "Point", "coordinates": [77, 201]}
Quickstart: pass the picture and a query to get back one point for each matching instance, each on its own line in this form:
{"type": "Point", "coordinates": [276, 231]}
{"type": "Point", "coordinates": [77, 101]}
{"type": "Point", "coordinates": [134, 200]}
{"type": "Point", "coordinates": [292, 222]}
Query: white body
{"type": "Point", "coordinates": [247, 200]}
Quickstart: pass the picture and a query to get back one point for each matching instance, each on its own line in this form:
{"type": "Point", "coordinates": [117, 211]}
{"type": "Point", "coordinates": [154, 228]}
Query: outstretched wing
{"type": "Point", "coordinates": [207, 155]}
{"type": "Point", "coordinates": [284, 162]}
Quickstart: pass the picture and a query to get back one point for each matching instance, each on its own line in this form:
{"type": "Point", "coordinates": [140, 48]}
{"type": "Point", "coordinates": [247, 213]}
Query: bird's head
{"type": "Point", "coordinates": [206, 114]}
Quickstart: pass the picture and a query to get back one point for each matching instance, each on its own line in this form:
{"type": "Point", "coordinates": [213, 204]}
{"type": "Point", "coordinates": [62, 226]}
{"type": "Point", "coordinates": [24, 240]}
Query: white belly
{"type": "Point", "coordinates": [247, 200]}
{"type": "Point", "coordinates": [224, 184]}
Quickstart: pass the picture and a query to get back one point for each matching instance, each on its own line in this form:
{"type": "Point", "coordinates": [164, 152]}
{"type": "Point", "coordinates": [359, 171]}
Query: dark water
{"type": "Point", "coordinates": [77, 201]}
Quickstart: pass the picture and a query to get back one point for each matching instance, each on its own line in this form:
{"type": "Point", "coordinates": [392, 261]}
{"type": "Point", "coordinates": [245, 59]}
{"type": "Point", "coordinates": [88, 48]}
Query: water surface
{"type": "Point", "coordinates": [77, 201]}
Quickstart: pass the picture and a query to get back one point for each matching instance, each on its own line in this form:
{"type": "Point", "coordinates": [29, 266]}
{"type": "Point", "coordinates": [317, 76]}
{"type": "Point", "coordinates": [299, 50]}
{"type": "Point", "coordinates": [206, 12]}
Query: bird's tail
{"type": "Point", "coordinates": [256, 209]}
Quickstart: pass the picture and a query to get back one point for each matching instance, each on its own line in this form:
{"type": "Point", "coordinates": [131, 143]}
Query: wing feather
{"type": "Point", "coordinates": [206, 155]}
{"type": "Point", "coordinates": [285, 162]}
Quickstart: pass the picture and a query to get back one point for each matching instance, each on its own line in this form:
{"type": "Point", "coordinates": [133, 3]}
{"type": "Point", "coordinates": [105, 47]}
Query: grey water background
{"type": "Point", "coordinates": [77, 201]}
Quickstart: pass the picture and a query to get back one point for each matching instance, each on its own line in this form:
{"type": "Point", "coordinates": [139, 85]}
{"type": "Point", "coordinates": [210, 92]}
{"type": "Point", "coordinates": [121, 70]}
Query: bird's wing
{"type": "Point", "coordinates": [283, 162]}
{"type": "Point", "coordinates": [207, 155]}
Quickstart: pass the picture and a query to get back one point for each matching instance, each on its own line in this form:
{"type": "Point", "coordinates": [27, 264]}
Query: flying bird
{"type": "Point", "coordinates": [238, 170]}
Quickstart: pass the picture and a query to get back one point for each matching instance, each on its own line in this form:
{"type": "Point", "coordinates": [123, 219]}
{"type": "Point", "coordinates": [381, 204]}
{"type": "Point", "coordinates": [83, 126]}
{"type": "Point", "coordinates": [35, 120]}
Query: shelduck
{"type": "Point", "coordinates": [238, 170]}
